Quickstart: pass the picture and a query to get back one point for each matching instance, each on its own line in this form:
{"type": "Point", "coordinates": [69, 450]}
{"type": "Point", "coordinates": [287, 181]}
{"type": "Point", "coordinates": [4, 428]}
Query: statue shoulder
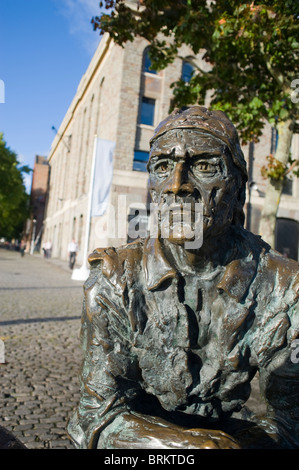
{"type": "Point", "coordinates": [273, 265]}
{"type": "Point", "coordinates": [282, 262]}
{"type": "Point", "coordinates": [286, 270]}
{"type": "Point", "coordinates": [117, 262]}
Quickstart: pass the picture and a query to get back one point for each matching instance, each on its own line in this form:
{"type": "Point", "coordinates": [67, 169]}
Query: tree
{"type": "Point", "coordinates": [252, 49]}
{"type": "Point", "coordinates": [14, 201]}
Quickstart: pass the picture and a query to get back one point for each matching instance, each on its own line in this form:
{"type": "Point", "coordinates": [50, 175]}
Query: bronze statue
{"type": "Point", "coordinates": [9, 441]}
{"type": "Point", "coordinates": [172, 336]}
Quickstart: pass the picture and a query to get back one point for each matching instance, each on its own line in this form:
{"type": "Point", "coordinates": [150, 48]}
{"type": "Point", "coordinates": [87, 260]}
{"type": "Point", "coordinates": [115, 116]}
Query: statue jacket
{"type": "Point", "coordinates": [190, 343]}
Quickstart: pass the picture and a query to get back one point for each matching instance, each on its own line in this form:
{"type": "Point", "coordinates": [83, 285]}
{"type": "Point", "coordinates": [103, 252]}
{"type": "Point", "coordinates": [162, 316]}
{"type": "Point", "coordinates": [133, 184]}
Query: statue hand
{"type": "Point", "coordinates": [137, 431]}
{"type": "Point", "coordinates": [210, 439]}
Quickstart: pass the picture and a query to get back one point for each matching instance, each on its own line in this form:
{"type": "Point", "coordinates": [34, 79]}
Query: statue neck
{"type": "Point", "coordinates": [214, 252]}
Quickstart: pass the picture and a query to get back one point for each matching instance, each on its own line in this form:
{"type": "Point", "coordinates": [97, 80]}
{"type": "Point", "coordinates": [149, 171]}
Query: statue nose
{"type": "Point", "coordinates": [179, 182]}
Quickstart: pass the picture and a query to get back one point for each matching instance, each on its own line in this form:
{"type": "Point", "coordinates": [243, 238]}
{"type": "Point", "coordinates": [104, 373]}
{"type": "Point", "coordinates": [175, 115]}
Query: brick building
{"type": "Point", "coordinates": [119, 99]}
{"type": "Point", "coordinates": [38, 198]}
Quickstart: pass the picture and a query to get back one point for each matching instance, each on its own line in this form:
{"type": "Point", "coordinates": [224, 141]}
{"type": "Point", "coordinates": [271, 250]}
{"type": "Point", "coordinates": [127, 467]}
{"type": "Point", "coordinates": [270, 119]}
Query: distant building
{"type": "Point", "coordinates": [38, 197]}
{"type": "Point", "coordinates": [121, 100]}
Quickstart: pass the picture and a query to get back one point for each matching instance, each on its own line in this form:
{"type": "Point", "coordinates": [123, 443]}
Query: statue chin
{"type": "Point", "coordinates": [177, 233]}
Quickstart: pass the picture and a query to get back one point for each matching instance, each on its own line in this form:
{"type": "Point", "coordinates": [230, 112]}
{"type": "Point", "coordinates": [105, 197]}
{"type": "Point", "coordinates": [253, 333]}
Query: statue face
{"type": "Point", "coordinates": [188, 166]}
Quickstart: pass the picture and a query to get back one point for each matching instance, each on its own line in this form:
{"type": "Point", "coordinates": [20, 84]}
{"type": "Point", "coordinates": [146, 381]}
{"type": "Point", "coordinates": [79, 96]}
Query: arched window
{"type": "Point", "coordinates": [187, 71]}
{"type": "Point", "coordinates": [147, 113]}
{"type": "Point", "coordinates": [74, 228]}
{"type": "Point", "coordinates": [147, 63]}
{"type": "Point", "coordinates": [147, 108]}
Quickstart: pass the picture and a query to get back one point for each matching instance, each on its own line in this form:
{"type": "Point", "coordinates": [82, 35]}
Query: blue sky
{"type": "Point", "coordinates": [45, 47]}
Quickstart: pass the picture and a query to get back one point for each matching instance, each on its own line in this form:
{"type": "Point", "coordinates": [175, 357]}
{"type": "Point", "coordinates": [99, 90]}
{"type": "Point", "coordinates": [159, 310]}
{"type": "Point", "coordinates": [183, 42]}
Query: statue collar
{"type": "Point", "coordinates": [235, 281]}
{"type": "Point", "coordinates": [156, 267]}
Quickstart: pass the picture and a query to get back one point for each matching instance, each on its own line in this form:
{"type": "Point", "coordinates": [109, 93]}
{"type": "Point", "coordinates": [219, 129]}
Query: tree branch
{"type": "Point", "coordinates": [278, 76]}
{"type": "Point", "coordinates": [294, 164]}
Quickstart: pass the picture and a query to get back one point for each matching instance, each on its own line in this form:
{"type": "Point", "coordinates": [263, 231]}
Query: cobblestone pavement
{"type": "Point", "coordinates": [40, 310]}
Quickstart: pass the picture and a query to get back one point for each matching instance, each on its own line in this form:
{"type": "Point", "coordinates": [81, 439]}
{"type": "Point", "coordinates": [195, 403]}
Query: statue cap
{"type": "Point", "coordinates": [214, 122]}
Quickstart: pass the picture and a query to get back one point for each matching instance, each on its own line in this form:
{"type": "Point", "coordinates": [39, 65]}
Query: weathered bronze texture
{"type": "Point", "coordinates": [172, 337]}
{"type": "Point", "coordinates": [9, 441]}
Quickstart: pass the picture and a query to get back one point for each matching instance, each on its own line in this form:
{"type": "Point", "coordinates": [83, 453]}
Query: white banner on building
{"type": "Point", "coordinates": [103, 172]}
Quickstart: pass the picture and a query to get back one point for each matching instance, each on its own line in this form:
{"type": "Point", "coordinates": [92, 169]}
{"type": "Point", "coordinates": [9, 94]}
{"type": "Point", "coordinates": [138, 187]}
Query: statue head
{"type": "Point", "coordinates": [195, 157]}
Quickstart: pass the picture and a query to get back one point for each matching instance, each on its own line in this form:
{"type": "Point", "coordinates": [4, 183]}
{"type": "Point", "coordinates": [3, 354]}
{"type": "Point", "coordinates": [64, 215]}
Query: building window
{"type": "Point", "coordinates": [147, 114]}
{"type": "Point", "coordinates": [147, 63]}
{"type": "Point", "coordinates": [287, 187]}
{"type": "Point", "coordinates": [140, 160]}
{"type": "Point", "coordinates": [287, 237]}
{"type": "Point", "coordinates": [187, 71]}
{"type": "Point", "coordinates": [274, 140]}
{"type": "Point", "coordinates": [74, 228]}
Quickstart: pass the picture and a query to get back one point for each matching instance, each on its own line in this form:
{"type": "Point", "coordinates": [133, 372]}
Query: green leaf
{"type": "Point", "coordinates": [283, 114]}
{"type": "Point", "coordinates": [256, 103]}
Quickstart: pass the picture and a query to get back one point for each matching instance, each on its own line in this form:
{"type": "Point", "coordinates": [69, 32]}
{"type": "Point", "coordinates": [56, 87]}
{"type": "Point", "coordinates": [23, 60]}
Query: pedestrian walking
{"type": "Point", "coordinates": [47, 247]}
{"type": "Point", "coordinates": [22, 248]}
{"type": "Point", "coordinates": [72, 250]}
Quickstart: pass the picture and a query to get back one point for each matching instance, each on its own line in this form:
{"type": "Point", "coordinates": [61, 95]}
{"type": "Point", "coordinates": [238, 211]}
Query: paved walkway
{"type": "Point", "coordinates": [40, 310]}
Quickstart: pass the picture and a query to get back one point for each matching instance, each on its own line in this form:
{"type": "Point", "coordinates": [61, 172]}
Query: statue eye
{"type": "Point", "coordinates": [204, 166]}
{"type": "Point", "coordinates": [163, 167]}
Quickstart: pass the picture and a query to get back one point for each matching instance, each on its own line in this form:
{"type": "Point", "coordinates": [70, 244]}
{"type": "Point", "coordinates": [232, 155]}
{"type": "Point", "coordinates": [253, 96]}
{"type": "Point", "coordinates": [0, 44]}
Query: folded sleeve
{"type": "Point", "coordinates": [108, 378]}
{"type": "Point", "coordinates": [279, 380]}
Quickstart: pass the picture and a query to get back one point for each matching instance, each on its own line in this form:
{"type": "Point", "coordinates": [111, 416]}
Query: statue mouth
{"type": "Point", "coordinates": [186, 208]}
{"type": "Point", "coordinates": [180, 207]}
{"type": "Point", "coordinates": [184, 219]}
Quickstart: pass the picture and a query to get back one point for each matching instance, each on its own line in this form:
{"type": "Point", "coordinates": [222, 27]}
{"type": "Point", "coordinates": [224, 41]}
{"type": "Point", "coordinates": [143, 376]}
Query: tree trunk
{"type": "Point", "coordinates": [274, 188]}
